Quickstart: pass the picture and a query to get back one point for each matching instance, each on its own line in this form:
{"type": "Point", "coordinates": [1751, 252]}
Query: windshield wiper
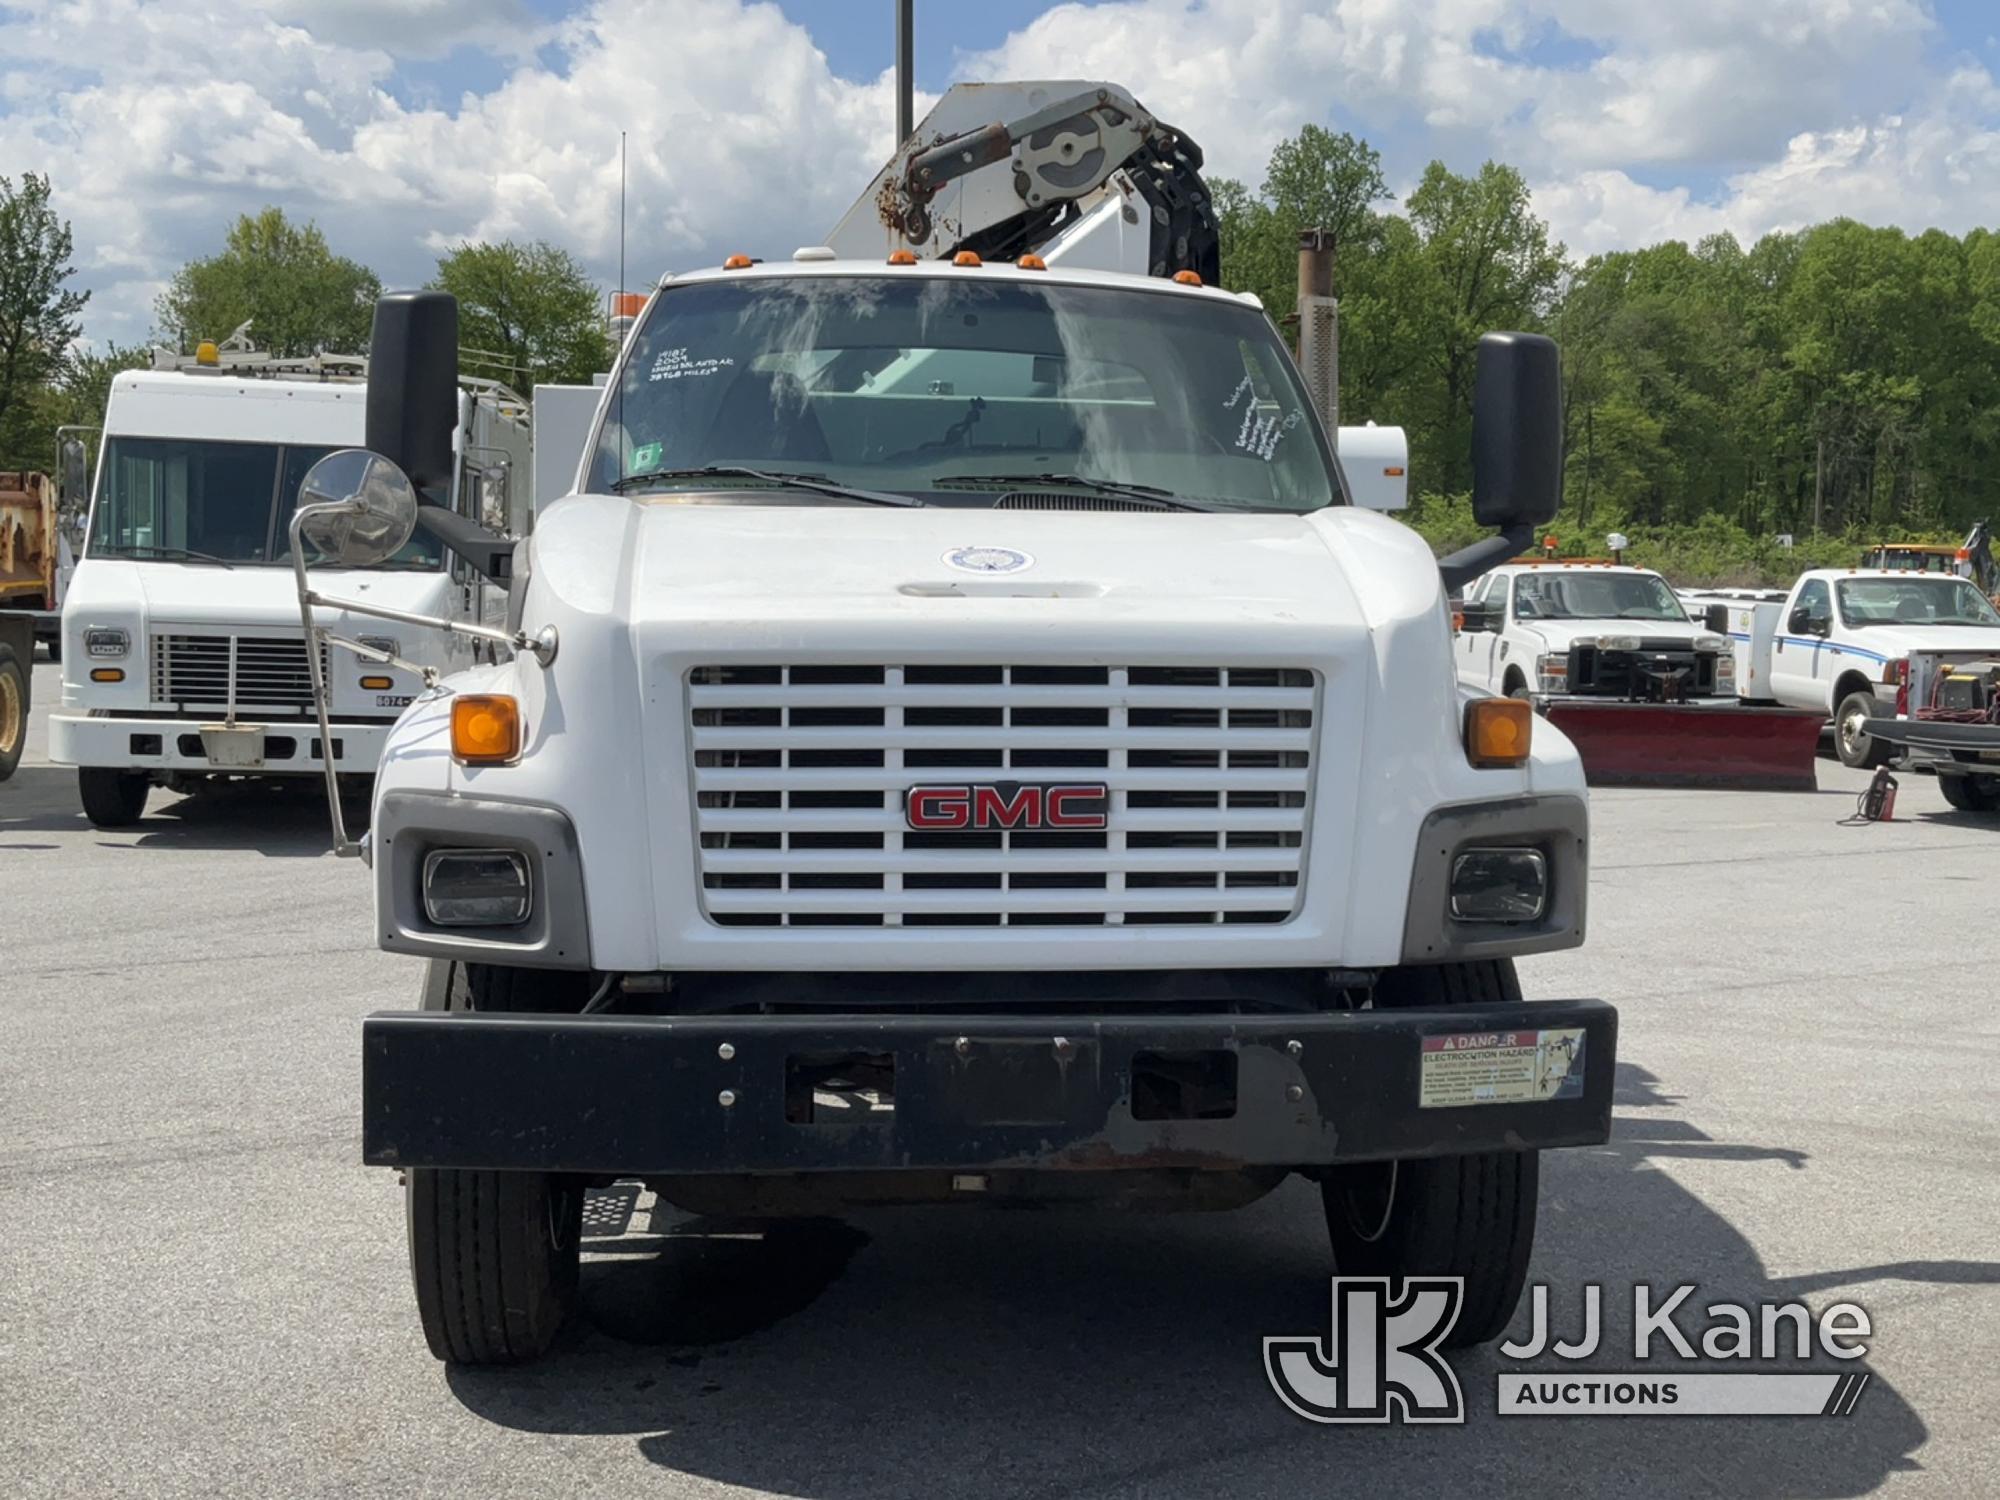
{"type": "Point", "coordinates": [1164, 498]}
{"type": "Point", "coordinates": [178, 554]}
{"type": "Point", "coordinates": [816, 483]}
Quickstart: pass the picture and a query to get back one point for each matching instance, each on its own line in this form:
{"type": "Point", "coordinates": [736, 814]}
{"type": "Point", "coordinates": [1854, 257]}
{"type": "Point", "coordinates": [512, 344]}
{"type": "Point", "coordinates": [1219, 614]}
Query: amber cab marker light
{"type": "Point", "coordinates": [902, 257]}
{"type": "Point", "coordinates": [377, 684]}
{"type": "Point", "coordinates": [737, 263]}
{"type": "Point", "coordinates": [1032, 263]}
{"type": "Point", "coordinates": [485, 729]}
{"type": "Point", "coordinates": [1188, 278]}
{"type": "Point", "coordinates": [1497, 731]}
{"type": "Point", "coordinates": [107, 674]}
{"type": "Point", "coordinates": [967, 258]}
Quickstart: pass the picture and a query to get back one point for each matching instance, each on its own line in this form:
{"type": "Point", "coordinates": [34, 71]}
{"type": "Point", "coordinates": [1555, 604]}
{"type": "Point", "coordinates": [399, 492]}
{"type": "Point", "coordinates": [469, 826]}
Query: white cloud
{"type": "Point", "coordinates": [160, 120]}
{"type": "Point", "coordinates": [738, 135]}
{"type": "Point", "coordinates": [1939, 168]}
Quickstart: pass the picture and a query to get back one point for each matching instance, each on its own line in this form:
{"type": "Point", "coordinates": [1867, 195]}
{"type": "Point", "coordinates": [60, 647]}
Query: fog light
{"type": "Point", "coordinates": [476, 887]}
{"type": "Point", "coordinates": [1499, 885]}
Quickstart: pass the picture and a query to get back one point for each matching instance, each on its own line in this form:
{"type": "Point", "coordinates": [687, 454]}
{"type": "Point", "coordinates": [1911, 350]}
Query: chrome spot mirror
{"type": "Point", "coordinates": [356, 508]}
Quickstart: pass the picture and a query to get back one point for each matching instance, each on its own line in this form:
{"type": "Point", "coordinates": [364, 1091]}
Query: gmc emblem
{"type": "Point", "coordinates": [1007, 804]}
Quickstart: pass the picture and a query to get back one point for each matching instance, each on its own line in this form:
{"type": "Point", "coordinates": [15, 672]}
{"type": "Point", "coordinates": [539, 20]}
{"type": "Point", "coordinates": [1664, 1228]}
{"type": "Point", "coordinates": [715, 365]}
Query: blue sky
{"type": "Point", "coordinates": [405, 126]}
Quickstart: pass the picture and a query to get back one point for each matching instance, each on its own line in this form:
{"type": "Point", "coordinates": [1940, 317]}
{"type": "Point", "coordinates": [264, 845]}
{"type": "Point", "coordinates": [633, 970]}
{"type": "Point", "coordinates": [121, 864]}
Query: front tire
{"type": "Point", "coordinates": [13, 711]}
{"type": "Point", "coordinates": [112, 798]}
{"type": "Point", "coordinates": [1470, 1216]}
{"type": "Point", "coordinates": [1858, 748]}
{"type": "Point", "coordinates": [494, 1255]}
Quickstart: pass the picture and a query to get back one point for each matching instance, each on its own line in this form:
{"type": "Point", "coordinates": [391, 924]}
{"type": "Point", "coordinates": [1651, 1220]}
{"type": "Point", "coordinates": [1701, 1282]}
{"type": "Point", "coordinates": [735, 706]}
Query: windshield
{"type": "Point", "coordinates": [1596, 596]}
{"type": "Point", "coordinates": [199, 500]}
{"type": "Point", "coordinates": [957, 391]}
{"type": "Point", "coordinates": [1914, 600]}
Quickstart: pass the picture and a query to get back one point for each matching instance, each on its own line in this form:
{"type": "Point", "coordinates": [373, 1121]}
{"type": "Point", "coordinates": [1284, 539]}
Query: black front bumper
{"type": "Point", "coordinates": [635, 1095]}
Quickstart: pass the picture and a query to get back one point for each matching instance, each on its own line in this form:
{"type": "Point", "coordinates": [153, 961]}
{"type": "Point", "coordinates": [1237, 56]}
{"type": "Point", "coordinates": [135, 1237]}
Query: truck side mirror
{"type": "Point", "coordinates": [413, 385]}
{"type": "Point", "coordinates": [1517, 431]}
{"type": "Point", "coordinates": [73, 477]}
{"type": "Point", "coordinates": [1801, 622]}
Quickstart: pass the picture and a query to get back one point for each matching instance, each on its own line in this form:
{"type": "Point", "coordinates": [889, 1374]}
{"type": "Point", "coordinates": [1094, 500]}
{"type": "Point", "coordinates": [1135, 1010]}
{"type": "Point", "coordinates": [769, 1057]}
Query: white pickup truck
{"type": "Point", "coordinates": [1587, 629]}
{"type": "Point", "coordinates": [962, 743]}
{"type": "Point", "coordinates": [1842, 641]}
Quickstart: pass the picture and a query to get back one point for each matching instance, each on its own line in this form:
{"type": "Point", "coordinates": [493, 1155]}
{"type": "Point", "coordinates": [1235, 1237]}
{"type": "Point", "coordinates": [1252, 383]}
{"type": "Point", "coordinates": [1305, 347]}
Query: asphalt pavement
{"type": "Point", "coordinates": [203, 1292]}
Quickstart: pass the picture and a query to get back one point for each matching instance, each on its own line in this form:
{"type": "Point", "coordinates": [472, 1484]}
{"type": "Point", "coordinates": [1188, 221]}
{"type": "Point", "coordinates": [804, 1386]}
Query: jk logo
{"type": "Point", "coordinates": [1381, 1359]}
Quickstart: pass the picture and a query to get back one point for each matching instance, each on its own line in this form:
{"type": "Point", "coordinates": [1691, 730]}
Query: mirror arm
{"type": "Point", "coordinates": [488, 552]}
{"type": "Point", "coordinates": [1483, 556]}
{"type": "Point", "coordinates": [541, 646]}
{"type": "Point", "coordinates": [316, 670]}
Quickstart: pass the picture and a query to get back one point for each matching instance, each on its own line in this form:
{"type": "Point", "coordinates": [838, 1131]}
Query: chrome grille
{"type": "Point", "coordinates": [799, 774]}
{"type": "Point", "coordinates": [271, 671]}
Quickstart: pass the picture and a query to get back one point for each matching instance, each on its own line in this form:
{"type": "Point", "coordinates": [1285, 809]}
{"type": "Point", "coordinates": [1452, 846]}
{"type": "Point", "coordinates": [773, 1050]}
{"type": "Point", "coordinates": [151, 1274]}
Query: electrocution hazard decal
{"type": "Point", "coordinates": [1500, 1067]}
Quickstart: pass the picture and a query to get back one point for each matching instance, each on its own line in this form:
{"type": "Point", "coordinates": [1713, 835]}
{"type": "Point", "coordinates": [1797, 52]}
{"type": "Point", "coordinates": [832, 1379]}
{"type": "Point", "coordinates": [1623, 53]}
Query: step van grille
{"type": "Point", "coordinates": [799, 774]}
{"type": "Point", "coordinates": [194, 671]}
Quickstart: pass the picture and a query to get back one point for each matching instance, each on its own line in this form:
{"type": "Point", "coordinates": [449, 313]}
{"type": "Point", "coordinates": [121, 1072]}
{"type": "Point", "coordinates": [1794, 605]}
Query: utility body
{"type": "Point", "coordinates": [1842, 643]}
{"type": "Point", "coordinates": [184, 653]}
{"type": "Point", "coordinates": [964, 743]}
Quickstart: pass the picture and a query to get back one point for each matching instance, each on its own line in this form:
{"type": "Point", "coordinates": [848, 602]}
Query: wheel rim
{"type": "Point", "coordinates": [1851, 737]}
{"type": "Point", "coordinates": [1368, 1199]}
{"type": "Point", "coordinates": [561, 1218]}
{"type": "Point", "coordinates": [10, 713]}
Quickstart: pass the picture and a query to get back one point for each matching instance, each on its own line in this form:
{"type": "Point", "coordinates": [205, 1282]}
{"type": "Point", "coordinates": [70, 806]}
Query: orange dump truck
{"type": "Point", "coordinates": [33, 567]}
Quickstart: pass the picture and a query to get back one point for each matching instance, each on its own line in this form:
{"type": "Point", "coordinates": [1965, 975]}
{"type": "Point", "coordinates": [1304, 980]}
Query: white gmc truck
{"type": "Point", "coordinates": [961, 743]}
{"type": "Point", "coordinates": [184, 657]}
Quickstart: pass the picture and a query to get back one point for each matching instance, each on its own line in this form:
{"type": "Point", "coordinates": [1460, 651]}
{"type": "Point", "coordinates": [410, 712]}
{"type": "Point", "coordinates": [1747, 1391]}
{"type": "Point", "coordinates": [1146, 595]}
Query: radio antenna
{"type": "Point", "coordinates": [618, 306]}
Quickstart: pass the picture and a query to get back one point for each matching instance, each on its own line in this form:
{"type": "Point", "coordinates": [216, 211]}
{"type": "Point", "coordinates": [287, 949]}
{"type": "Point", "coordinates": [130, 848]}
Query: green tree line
{"type": "Point", "coordinates": [528, 313]}
{"type": "Point", "coordinates": [1835, 384]}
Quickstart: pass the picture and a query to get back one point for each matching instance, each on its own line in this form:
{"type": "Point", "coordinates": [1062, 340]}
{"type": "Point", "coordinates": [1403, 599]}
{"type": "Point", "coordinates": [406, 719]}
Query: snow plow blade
{"type": "Point", "coordinates": [1677, 744]}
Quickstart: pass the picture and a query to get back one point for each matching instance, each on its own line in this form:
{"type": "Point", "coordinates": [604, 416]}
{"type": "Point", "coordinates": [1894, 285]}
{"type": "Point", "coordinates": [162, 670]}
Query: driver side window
{"type": "Point", "coordinates": [1817, 605]}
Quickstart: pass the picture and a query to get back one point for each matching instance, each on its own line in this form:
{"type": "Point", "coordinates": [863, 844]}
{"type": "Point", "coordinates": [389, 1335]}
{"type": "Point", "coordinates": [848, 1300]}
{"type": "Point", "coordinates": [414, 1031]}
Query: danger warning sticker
{"type": "Point", "coordinates": [1500, 1067]}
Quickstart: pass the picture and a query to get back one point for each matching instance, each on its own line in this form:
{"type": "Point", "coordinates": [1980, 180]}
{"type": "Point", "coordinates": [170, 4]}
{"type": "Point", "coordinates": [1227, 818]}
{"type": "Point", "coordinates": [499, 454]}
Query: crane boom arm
{"type": "Point", "coordinates": [1072, 171]}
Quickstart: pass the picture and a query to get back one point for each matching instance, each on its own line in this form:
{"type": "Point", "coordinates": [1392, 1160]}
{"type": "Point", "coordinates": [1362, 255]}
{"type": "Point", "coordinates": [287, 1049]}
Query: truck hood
{"type": "Point", "coordinates": [786, 571]}
{"type": "Point", "coordinates": [171, 593]}
{"type": "Point", "coordinates": [1271, 689]}
{"type": "Point", "coordinates": [1560, 635]}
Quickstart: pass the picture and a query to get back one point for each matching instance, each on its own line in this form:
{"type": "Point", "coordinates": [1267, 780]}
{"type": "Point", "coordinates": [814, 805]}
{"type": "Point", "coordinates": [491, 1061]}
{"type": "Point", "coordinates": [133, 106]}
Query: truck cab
{"type": "Point", "coordinates": [1546, 630]}
{"type": "Point", "coordinates": [962, 744]}
{"type": "Point", "coordinates": [184, 652]}
{"type": "Point", "coordinates": [1842, 642]}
